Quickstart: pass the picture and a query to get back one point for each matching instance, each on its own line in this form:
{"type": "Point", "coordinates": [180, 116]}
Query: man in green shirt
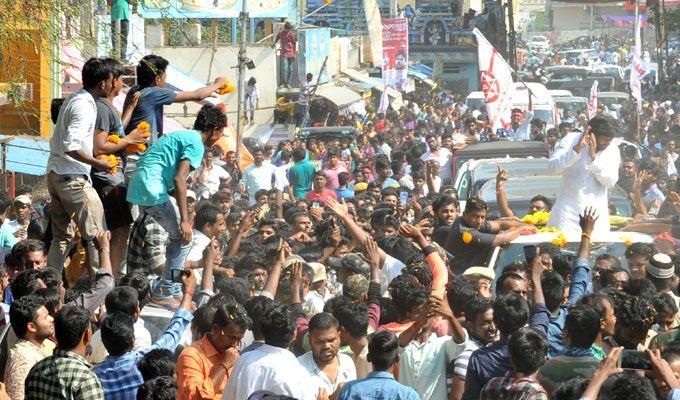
{"type": "Point", "coordinates": [301, 175]}
{"type": "Point", "coordinates": [120, 11]}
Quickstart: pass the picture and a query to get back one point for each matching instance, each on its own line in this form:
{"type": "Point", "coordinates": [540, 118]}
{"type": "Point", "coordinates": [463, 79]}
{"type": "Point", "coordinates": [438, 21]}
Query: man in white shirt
{"type": "Point", "coordinates": [210, 176]}
{"type": "Point", "coordinates": [123, 299]}
{"type": "Point", "coordinates": [589, 167]}
{"type": "Point", "coordinates": [68, 168]}
{"type": "Point", "coordinates": [259, 175]}
{"type": "Point", "coordinates": [318, 294]}
{"type": "Point", "coordinates": [439, 154]}
{"type": "Point", "coordinates": [271, 366]}
{"type": "Point", "coordinates": [22, 208]}
{"type": "Point", "coordinates": [329, 369]}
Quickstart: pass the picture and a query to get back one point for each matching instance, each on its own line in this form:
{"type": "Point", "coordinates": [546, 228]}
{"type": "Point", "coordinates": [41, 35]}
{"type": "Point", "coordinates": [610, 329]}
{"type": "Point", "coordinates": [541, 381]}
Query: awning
{"type": "Point", "coordinates": [420, 72]}
{"type": "Point", "coordinates": [347, 100]}
{"type": "Point", "coordinates": [395, 96]}
{"type": "Point", "coordinates": [27, 155]}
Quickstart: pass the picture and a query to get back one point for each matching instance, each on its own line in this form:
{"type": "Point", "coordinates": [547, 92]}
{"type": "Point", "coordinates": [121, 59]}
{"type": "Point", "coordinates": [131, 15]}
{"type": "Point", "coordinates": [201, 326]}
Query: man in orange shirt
{"type": "Point", "coordinates": [204, 367]}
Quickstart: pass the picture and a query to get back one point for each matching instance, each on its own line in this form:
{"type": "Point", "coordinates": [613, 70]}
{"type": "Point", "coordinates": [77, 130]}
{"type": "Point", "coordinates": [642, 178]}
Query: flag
{"type": "Point", "coordinates": [496, 80]}
{"type": "Point", "coordinates": [384, 100]}
{"type": "Point", "coordinates": [638, 68]}
{"type": "Point", "coordinates": [592, 101]}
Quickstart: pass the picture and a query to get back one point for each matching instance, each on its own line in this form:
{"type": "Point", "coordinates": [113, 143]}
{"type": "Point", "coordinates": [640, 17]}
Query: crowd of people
{"type": "Point", "coordinates": [333, 269]}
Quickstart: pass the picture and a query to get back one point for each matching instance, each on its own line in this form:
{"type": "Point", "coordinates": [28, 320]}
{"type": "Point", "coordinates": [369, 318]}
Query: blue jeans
{"type": "Point", "coordinates": [167, 216]}
{"type": "Point", "coordinates": [287, 70]}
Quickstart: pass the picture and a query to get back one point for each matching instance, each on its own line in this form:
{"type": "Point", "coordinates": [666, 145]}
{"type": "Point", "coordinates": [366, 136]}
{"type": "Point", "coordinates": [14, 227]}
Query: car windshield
{"type": "Point", "coordinates": [545, 116]}
{"type": "Point", "coordinates": [514, 252]}
{"type": "Point", "coordinates": [573, 106]}
{"type": "Point", "coordinates": [567, 76]}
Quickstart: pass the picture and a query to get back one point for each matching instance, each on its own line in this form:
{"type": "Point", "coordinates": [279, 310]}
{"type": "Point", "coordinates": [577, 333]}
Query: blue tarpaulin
{"type": "Point", "coordinates": [420, 71]}
{"type": "Point", "coordinates": [27, 155]}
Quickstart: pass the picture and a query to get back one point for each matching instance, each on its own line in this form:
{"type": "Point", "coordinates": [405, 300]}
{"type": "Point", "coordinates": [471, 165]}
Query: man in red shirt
{"type": "Point", "coordinates": [319, 193]}
{"type": "Point", "coordinates": [288, 47]}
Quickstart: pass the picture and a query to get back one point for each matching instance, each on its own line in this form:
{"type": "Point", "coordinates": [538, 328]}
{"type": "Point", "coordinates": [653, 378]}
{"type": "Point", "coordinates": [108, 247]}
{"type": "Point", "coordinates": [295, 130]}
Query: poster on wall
{"type": "Point", "coordinates": [395, 52]}
{"type": "Point", "coordinates": [156, 9]}
{"type": "Point", "coordinates": [316, 47]}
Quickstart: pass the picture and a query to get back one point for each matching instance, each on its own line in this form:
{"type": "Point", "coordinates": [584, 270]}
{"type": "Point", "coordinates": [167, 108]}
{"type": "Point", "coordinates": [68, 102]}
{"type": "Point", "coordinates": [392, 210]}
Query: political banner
{"type": "Point", "coordinates": [395, 53]}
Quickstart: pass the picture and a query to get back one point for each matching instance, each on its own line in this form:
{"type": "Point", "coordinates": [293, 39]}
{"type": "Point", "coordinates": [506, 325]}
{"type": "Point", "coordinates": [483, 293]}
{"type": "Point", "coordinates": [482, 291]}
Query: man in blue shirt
{"type": "Point", "coordinates": [118, 372]}
{"type": "Point", "coordinates": [553, 286]}
{"type": "Point", "coordinates": [163, 168]}
{"type": "Point", "coordinates": [379, 384]}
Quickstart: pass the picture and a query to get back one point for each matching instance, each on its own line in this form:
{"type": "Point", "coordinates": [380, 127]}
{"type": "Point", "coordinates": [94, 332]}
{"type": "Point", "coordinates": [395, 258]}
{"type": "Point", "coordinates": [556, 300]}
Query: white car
{"type": "Point", "coordinates": [539, 43]}
{"type": "Point", "coordinates": [613, 243]}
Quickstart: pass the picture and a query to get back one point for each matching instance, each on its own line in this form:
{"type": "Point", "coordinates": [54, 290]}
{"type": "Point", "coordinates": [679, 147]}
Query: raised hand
{"type": "Point", "coordinates": [339, 209]}
{"type": "Point", "coordinates": [582, 141]}
{"type": "Point", "coordinates": [587, 220]}
{"type": "Point", "coordinates": [501, 177]}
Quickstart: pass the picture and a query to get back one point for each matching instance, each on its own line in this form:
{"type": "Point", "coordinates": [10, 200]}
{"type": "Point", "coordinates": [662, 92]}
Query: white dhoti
{"type": "Point", "coordinates": [585, 183]}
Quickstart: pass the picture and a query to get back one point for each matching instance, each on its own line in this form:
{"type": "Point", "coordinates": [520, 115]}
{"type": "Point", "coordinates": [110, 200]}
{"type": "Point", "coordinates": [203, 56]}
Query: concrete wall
{"type": "Point", "coordinates": [578, 16]}
{"type": "Point", "coordinates": [205, 65]}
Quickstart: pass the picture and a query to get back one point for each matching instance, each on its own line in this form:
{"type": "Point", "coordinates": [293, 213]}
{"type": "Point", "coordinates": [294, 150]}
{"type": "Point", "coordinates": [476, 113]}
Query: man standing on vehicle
{"type": "Point", "coordinates": [589, 167]}
{"type": "Point", "coordinates": [519, 126]}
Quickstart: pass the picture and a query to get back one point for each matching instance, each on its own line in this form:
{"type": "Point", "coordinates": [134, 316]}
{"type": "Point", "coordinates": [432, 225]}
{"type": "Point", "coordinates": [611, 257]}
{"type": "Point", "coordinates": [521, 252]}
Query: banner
{"type": "Point", "coordinates": [395, 53]}
{"type": "Point", "coordinates": [213, 8]}
{"type": "Point", "coordinates": [372, 12]}
{"type": "Point", "coordinates": [638, 68]}
{"type": "Point", "coordinates": [496, 81]}
{"type": "Point", "coordinates": [592, 101]}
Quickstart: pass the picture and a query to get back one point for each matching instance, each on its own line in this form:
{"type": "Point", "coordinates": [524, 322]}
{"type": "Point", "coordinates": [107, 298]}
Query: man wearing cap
{"type": "Point", "coordinates": [484, 278]}
{"type": "Point", "coordinates": [14, 230]}
{"type": "Point", "coordinates": [318, 294]}
{"type": "Point", "coordinates": [661, 271]}
{"type": "Point", "coordinates": [349, 265]}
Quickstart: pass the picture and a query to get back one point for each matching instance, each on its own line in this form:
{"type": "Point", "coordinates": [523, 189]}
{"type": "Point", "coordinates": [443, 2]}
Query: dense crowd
{"type": "Point", "coordinates": [333, 269]}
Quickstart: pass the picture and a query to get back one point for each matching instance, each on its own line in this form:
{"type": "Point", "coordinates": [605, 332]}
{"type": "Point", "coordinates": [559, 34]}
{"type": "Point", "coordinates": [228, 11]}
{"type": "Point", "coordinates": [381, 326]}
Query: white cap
{"type": "Point", "coordinates": [191, 194]}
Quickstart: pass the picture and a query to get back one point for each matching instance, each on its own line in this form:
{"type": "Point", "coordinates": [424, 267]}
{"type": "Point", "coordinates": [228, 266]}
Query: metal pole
{"type": "Point", "coordinates": [4, 168]}
{"type": "Point", "coordinates": [513, 49]}
{"type": "Point", "coordinates": [665, 34]}
{"type": "Point", "coordinates": [116, 32]}
{"type": "Point", "coordinates": [241, 83]}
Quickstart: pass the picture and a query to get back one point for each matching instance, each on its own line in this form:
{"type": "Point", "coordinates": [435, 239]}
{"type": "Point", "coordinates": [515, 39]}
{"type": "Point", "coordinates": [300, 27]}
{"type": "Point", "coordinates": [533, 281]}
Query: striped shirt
{"type": "Point", "coordinates": [460, 364]}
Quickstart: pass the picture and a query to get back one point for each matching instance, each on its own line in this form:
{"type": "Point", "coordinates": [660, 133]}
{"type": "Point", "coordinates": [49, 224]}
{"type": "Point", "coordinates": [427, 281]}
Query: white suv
{"type": "Point", "coordinates": [539, 43]}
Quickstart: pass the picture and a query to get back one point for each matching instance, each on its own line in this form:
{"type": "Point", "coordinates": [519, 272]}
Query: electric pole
{"type": "Point", "coordinates": [512, 51]}
{"type": "Point", "coordinates": [241, 83]}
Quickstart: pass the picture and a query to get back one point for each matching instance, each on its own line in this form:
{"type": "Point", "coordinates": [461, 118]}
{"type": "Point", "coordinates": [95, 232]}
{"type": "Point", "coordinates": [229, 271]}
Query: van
{"type": "Point", "coordinates": [542, 103]}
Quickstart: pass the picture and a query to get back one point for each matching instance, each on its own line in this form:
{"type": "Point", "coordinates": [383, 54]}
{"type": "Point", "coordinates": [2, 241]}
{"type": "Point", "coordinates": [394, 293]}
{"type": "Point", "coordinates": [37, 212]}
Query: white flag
{"type": "Point", "coordinates": [592, 102]}
{"type": "Point", "coordinates": [638, 68]}
{"type": "Point", "coordinates": [384, 100]}
{"type": "Point", "coordinates": [496, 80]}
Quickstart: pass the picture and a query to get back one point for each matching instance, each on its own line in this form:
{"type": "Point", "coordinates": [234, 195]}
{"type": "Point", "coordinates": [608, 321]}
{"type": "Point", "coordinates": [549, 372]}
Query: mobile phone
{"type": "Point", "coordinates": [177, 275]}
{"type": "Point", "coordinates": [315, 204]}
{"type": "Point", "coordinates": [636, 360]}
{"type": "Point", "coordinates": [530, 252]}
{"type": "Point", "coordinates": [403, 198]}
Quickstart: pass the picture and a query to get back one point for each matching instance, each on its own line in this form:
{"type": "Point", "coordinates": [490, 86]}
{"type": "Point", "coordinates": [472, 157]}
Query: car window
{"type": "Point", "coordinates": [463, 190]}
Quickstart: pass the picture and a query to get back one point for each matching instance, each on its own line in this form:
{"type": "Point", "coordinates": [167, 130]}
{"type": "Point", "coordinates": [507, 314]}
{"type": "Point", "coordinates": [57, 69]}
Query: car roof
{"type": "Point", "coordinates": [574, 99]}
{"type": "Point", "coordinates": [613, 94]}
{"type": "Point", "coordinates": [612, 236]}
{"type": "Point", "coordinates": [513, 148]}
